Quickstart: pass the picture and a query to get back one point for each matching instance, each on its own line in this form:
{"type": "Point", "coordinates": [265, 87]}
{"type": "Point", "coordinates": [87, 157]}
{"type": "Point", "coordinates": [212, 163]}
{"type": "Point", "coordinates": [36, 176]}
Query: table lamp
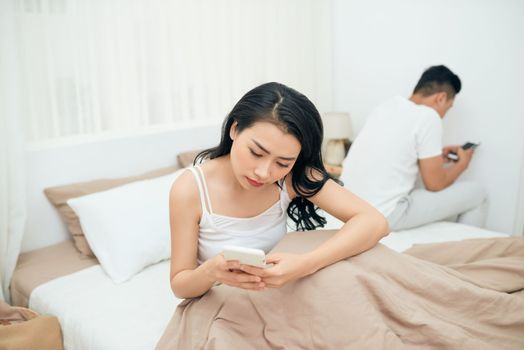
{"type": "Point", "coordinates": [337, 135]}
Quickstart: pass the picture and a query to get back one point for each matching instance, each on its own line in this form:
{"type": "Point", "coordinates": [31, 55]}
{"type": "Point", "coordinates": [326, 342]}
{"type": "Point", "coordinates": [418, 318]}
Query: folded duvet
{"type": "Point", "coordinates": [455, 295]}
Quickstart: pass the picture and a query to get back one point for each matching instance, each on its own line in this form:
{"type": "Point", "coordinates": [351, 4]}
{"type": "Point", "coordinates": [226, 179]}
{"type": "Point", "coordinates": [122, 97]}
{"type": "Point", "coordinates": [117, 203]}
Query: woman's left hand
{"type": "Point", "coordinates": [286, 267]}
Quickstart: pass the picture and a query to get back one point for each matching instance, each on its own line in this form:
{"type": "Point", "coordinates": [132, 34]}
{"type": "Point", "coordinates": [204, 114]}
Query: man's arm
{"type": "Point", "coordinates": [436, 177]}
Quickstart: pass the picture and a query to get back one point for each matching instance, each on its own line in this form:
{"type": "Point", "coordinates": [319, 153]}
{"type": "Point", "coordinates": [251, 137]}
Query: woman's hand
{"type": "Point", "coordinates": [228, 272]}
{"type": "Point", "coordinates": [286, 268]}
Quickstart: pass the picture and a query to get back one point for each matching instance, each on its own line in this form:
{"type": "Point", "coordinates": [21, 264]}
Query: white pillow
{"type": "Point", "coordinates": [127, 227]}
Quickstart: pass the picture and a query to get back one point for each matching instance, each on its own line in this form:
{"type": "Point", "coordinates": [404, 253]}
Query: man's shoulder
{"type": "Point", "coordinates": [429, 118]}
{"type": "Point", "coordinates": [396, 110]}
{"type": "Point", "coordinates": [418, 114]}
{"type": "Point", "coordinates": [393, 102]}
{"type": "Point", "coordinates": [428, 113]}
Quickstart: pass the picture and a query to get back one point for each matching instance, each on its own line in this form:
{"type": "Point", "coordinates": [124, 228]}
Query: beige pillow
{"type": "Point", "coordinates": [186, 159]}
{"type": "Point", "coordinates": [59, 196]}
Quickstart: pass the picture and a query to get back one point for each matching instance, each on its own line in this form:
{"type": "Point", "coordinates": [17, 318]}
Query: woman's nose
{"type": "Point", "coordinates": [262, 170]}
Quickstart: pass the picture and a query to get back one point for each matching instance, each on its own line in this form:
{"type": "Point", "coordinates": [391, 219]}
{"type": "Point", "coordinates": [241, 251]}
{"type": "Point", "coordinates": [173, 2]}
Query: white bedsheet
{"type": "Point", "coordinates": [441, 231]}
{"type": "Point", "coordinates": [96, 314]}
{"type": "Point", "coordinates": [435, 232]}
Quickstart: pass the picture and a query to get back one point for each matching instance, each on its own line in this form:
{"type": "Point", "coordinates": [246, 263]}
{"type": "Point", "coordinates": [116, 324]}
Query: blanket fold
{"type": "Point", "coordinates": [452, 295]}
{"type": "Point", "coordinates": [24, 329]}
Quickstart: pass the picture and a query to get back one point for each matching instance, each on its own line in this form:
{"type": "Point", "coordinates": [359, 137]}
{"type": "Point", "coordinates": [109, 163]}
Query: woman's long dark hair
{"type": "Point", "coordinates": [295, 114]}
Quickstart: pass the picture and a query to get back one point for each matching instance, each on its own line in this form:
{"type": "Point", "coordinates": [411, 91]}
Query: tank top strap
{"type": "Point", "coordinates": [284, 195]}
{"type": "Point", "coordinates": [202, 188]}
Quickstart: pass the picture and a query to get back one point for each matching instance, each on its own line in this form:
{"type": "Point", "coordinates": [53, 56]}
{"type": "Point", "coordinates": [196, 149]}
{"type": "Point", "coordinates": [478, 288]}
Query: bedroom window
{"type": "Point", "coordinates": [90, 67]}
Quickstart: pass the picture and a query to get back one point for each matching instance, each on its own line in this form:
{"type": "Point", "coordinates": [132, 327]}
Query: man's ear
{"type": "Point", "coordinates": [233, 130]}
{"type": "Point", "coordinates": [441, 97]}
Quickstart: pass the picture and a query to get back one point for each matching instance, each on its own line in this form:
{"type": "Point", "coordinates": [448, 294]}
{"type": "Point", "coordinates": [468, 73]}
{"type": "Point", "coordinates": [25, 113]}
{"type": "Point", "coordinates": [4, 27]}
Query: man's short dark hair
{"type": "Point", "coordinates": [438, 79]}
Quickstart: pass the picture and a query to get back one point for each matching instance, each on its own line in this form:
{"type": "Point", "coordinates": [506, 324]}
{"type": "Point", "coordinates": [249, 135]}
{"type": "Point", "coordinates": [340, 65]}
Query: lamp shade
{"type": "Point", "coordinates": [337, 125]}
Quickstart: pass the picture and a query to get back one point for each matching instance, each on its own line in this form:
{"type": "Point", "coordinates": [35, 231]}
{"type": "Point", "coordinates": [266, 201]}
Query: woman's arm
{"type": "Point", "coordinates": [364, 227]}
{"type": "Point", "coordinates": [188, 280]}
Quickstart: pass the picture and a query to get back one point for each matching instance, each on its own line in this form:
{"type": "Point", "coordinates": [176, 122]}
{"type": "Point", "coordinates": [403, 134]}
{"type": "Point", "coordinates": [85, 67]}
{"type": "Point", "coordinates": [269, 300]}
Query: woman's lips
{"type": "Point", "coordinates": [253, 182]}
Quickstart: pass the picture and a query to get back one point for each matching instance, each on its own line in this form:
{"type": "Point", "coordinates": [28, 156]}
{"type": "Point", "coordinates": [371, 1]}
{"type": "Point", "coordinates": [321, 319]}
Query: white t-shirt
{"type": "Point", "coordinates": [381, 166]}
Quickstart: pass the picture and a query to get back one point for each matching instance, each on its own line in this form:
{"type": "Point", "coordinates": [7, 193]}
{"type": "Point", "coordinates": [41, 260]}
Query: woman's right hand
{"type": "Point", "coordinates": [228, 272]}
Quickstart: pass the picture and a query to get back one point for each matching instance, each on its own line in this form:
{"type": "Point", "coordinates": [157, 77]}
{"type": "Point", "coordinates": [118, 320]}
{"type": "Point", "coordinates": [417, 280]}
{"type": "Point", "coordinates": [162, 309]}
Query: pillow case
{"type": "Point", "coordinates": [59, 195]}
{"type": "Point", "coordinates": [186, 159]}
{"type": "Point", "coordinates": [127, 227]}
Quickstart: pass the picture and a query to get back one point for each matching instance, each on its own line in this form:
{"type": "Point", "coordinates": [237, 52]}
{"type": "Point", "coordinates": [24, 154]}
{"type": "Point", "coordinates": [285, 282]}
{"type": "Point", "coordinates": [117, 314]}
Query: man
{"type": "Point", "coordinates": [401, 139]}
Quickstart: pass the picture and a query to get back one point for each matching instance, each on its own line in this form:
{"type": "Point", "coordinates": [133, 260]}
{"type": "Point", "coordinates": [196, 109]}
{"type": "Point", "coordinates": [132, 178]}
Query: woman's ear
{"type": "Point", "coordinates": [233, 130]}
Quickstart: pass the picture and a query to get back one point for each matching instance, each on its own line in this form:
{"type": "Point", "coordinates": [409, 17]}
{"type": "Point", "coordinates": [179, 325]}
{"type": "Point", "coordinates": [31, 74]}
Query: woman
{"type": "Point", "coordinates": [267, 166]}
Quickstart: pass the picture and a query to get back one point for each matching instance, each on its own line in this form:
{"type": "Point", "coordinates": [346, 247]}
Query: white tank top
{"type": "Point", "coordinates": [262, 231]}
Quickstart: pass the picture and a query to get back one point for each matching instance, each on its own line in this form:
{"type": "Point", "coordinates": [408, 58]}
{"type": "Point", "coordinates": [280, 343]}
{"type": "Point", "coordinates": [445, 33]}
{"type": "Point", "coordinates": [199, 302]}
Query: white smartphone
{"type": "Point", "coordinates": [246, 256]}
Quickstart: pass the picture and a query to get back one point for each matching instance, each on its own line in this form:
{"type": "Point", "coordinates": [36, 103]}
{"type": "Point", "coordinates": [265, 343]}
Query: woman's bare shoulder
{"type": "Point", "coordinates": [184, 188]}
{"type": "Point", "coordinates": [211, 165]}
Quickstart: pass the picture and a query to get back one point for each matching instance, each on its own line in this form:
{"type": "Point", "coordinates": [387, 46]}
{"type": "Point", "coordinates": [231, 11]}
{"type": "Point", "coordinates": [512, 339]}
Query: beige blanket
{"type": "Point", "coordinates": [24, 329]}
{"type": "Point", "coordinates": [457, 298]}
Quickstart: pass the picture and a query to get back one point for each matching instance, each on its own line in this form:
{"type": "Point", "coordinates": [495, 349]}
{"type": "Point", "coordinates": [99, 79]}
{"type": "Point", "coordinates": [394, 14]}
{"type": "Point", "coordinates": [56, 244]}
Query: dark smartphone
{"type": "Point", "coordinates": [454, 157]}
{"type": "Point", "coordinates": [470, 145]}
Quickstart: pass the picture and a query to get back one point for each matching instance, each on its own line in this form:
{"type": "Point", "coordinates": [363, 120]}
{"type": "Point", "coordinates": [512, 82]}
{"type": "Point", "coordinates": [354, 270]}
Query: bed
{"type": "Point", "coordinates": [96, 313]}
{"type": "Point", "coordinates": [53, 277]}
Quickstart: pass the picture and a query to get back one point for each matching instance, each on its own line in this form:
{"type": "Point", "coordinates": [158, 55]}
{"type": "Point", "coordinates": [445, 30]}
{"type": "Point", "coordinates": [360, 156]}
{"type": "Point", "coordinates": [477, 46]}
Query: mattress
{"type": "Point", "coordinates": [436, 232]}
{"type": "Point", "coordinates": [43, 265]}
{"type": "Point", "coordinates": [96, 313]}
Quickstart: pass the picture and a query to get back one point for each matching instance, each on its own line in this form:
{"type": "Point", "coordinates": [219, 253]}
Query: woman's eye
{"type": "Point", "coordinates": [255, 154]}
{"type": "Point", "coordinates": [283, 165]}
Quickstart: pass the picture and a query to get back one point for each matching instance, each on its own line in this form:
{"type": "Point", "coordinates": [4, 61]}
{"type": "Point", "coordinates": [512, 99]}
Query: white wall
{"type": "Point", "coordinates": [102, 157]}
{"type": "Point", "coordinates": [381, 47]}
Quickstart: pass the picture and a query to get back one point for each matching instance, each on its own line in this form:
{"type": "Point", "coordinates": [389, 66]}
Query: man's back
{"type": "Point", "coordinates": [381, 166]}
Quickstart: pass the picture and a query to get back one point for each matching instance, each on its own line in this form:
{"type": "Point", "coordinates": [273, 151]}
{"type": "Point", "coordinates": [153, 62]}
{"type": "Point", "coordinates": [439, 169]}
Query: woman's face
{"type": "Point", "coordinates": [262, 154]}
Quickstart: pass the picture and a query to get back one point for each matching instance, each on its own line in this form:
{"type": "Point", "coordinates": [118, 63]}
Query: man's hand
{"type": "Point", "coordinates": [435, 176]}
{"type": "Point", "coordinates": [447, 149]}
{"type": "Point", "coordinates": [465, 156]}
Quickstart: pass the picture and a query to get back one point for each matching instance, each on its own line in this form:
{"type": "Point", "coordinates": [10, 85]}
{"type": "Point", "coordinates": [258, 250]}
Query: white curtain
{"type": "Point", "coordinates": [99, 65]}
{"type": "Point", "coordinates": [518, 227]}
{"type": "Point", "coordinates": [12, 156]}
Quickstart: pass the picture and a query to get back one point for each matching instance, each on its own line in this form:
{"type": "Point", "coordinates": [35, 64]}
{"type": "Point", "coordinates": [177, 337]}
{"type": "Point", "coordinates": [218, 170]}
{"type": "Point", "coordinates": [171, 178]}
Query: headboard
{"type": "Point", "coordinates": [120, 156]}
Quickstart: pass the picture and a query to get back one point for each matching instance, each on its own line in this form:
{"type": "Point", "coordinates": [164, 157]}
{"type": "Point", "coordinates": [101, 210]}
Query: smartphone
{"type": "Point", "coordinates": [454, 157]}
{"type": "Point", "coordinates": [468, 145]}
{"type": "Point", "coordinates": [246, 256]}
